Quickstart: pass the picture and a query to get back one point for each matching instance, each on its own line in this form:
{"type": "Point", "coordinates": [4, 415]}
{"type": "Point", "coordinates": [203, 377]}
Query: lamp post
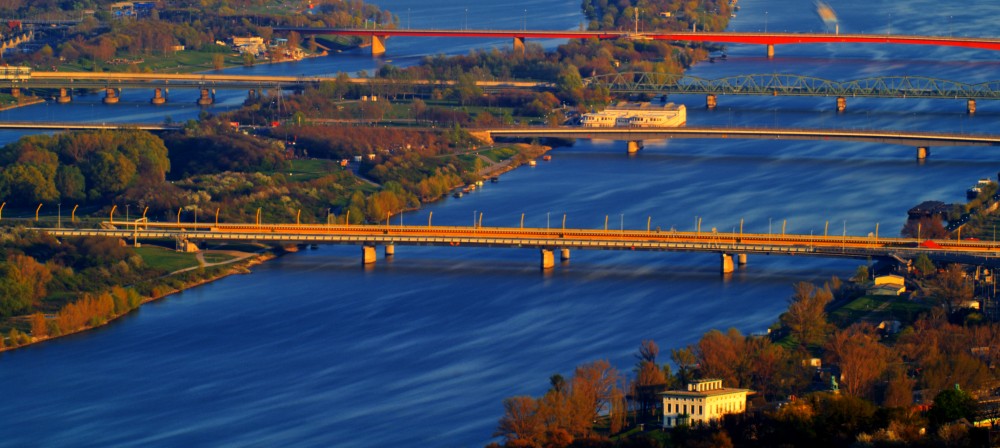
{"type": "Point", "coordinates": [59, 221]}
{"type": "Point", "coordinates": [466, 18]}
{"type": "Point", "coordinates": [622, 224]}
{"type": "Point", "coordinates": [525, 25]}
{"type": "Point", "coordinates": [474, 213]}
{"type": "Point", "coordinates": [765, 21]}
{"type": "Point", "coordinates": [547, 220]}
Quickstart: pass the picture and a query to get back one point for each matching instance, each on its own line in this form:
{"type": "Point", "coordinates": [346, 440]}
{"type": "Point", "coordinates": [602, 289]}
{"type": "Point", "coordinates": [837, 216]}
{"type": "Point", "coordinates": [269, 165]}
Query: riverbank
{"type": "Point", "coordinates": [21, 102]}
{"type": "Point", "coordinates": [238, 266]}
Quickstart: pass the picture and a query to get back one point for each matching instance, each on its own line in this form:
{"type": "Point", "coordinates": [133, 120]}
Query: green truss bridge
{"type": "Point", "coordinates": [796, 85]}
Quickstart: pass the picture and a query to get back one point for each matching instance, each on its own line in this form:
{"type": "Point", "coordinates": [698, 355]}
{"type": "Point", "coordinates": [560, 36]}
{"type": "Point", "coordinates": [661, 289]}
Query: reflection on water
{"type": "Point", "coordinates": [313, 349]}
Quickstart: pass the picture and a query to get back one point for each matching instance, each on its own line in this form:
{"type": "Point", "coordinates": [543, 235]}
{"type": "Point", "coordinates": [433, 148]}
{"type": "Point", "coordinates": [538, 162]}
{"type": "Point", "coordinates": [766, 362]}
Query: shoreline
{"type": "Point", "coordinates": [240, 267]}
{"type": "Point", "coordinates": [29, 101]}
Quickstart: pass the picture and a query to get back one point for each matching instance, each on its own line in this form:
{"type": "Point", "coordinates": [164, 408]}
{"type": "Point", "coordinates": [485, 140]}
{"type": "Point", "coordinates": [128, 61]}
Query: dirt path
{"type": "Point", "coordinates": [200, 256]}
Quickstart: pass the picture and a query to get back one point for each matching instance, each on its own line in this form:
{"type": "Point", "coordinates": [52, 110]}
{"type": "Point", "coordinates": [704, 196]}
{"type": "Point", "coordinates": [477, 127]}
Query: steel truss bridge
{"type": "Point", "coordinates": [796, 85]}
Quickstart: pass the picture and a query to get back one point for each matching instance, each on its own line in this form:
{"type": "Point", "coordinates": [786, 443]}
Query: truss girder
{"type": "Point", "coordinates": [796, 85]}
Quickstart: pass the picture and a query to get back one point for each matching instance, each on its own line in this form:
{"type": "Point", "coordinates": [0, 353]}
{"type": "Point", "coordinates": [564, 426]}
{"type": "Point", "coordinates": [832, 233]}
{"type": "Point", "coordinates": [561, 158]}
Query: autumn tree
{"type": "Point", "coordinates": [650, 378]}
{"type": "Point", "coordinates": [521, 424]}
{"type": "Point", "coordinates": [924, 228]}
{"type": "Point", "coordinates": [806, 315]}
{"type": "Point", "coordinates": [862, 359]}
{"type": "Point", "coordinates": [951, 287]}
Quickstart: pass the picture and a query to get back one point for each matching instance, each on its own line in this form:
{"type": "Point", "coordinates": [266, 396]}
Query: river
{"type": "Point", "coordinates": [311, 349]}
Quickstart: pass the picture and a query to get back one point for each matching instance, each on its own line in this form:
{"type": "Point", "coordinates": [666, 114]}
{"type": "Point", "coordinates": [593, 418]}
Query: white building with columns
{"type": "Point", "coordinates": [705, 401]}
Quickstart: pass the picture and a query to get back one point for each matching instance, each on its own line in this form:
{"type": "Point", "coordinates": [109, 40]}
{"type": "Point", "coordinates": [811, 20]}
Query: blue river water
{"type": "Point", "coordinates": [311, 349]}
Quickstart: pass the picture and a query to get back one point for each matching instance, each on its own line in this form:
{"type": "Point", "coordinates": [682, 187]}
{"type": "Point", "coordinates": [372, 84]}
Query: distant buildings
{"type": "Point", "coordinates": [705, 401]}
{"type": "Point", "coordinates": [251, 44]}
{"type": "Point", "coordinates": [887, 285]}
{"type": "Point", "coordinates": [132, 10]}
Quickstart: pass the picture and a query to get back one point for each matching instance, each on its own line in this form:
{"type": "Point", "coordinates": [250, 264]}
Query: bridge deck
{"type": "Point", "coordinates": [980, 252]}
{"type": "Point", "coordinates": [908, 138]}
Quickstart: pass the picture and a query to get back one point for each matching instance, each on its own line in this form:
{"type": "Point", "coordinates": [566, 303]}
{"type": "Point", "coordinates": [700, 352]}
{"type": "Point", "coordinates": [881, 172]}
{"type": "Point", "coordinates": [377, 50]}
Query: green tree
{"type": "Point", "coordinates": [71, 183]}
{"type": "Point", "coordinates": [16, 295]}
{"type": "Point", "coordinates": [923, 266]}
{"type": "Point", "coordinates": [950, 405]}
{"type": "Point", "coordinates": [861, 275]}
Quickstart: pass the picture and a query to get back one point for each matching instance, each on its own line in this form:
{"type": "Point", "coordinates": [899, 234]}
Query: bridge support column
{"type": "Point", "coordinates": [841, 104]}
{"type": "Point", "coordinates": [923, 152]}
{"type": "Point", "coordinates": [711, 102]}
{"type": "Point", "coordinates": [378, 45]}
{"type": "Point", "coordinates": [564, 254]}
{"type": "Point", "coordinates": [770, 51]}
{"type": "Point", "coordinates": [971, 107]}
{"type": "Point", "coordinates": [158, 98]}
{"type": "Point", "coordinates": [390, 250]}
{"type": "Point", "coordinates": [548, 259]}
{"type": "Point", "coordinates": [727, 264]}
{"type": "Point", "coordinates": [741, 259]}
{"type": "Point", "coordinates": [368, 254]}
{"type": "Point", "coordinates": [206, 98]}
{"type": "Point", "coordinates": [110, 96]}
{"type": "Point", "coordinates": [634, 146]}
{"type": "Point", "coordinates": [15, 92]}
{"type": "Point", "coordinates": [64, 96]}
{"type": "Point", "coordinates": [519, 45]}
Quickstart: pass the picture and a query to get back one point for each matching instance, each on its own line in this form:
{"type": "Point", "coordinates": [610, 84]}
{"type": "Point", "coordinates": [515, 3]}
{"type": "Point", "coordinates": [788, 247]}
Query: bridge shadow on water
{"type": "Point", "coordinates": [666, 268]}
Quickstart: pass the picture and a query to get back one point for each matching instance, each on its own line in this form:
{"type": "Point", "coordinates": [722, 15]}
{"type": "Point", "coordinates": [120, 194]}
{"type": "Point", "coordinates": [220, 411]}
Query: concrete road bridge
{"type": "Point", "coordinates": [18, 78]}
{"type": "Point", "coordinates": [636, 136]}
{"type": "Point", "coordinates": [733, 247]}
{"type": "Point", "coordinates": [73, 126]}
{"type": "Point", "coordinates": [378, 37]}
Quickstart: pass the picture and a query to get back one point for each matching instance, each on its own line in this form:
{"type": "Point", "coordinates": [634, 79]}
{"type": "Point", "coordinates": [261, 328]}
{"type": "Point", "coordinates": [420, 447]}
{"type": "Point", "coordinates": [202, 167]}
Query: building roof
{"type": "Point", "coordinates": [707, 393]}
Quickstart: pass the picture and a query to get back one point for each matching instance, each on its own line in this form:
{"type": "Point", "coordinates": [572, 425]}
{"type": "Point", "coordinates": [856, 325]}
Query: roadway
{"type": "Point", "coordinates": [76, 126]}
{"type": "Point", "coordinates": [909, 138]}
{"type": "Point", "coordinates": [728, 243]}
{"type": "Point", "coordinates": [769, 39]}
{"type": "Point", "coordinates": [92, 80]}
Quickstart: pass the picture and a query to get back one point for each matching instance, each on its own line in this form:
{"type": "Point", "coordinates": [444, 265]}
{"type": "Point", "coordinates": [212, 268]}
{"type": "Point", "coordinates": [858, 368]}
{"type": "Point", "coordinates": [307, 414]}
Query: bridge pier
{"type": "Point", "coordinates": [519, 45]}
{"type": "Point", "coordinates": [158, 98]}
{"type": "Point", "coordinates": [741, 259]}
{"type": "Point", "coordinates": [770, 51]}
{"type": "Point", "coordinates": [711, 102]}
{"type": "Point", "coordinates": [110, 96]}
{"type": "Point", "coordinates": [548, 259]}
{"type": "Point", "coordinates": [390, 250]}
{"type": "Point", "coordinates": [206, 98]}
{"type": "Point", "coordinates": [368, 254]}
{"type": "Point", "coordinates": [634, 146]}
{"type": "Point", "coordinates": [970, 107]}
{"type": "Point", "coordinates": [378, 45]}
{"type": "Point", "coordinates": [841, 104]}
{"type": "Point", "coordinates": [564, 254]}
{"type": "Point", "coordinates": [727, 264]}
{"type": "Point", "coordinates": [64, 96]}
{"type": "Point", "coordinates": [923, 152]}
